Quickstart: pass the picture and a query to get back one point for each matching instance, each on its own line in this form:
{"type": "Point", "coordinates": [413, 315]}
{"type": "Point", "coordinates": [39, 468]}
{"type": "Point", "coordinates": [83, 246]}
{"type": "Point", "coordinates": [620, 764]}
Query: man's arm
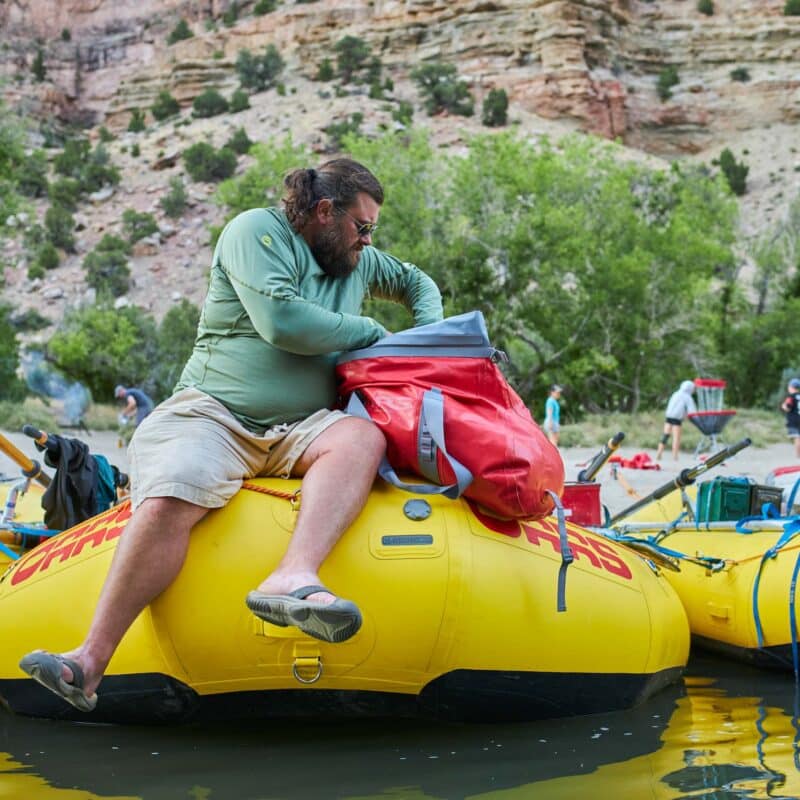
{"type": "Point", "coordinates": [392, 279]}
{"type": "Point", "coordinates": [266, 280]}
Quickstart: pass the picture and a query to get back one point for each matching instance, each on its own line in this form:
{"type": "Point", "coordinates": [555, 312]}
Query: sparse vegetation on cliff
{"type": "Point", "coordinates": [179, 32]}
{"type": "Point", "coordinates": [259, 72]}
{"type": "Point", "coordinates": [667, 78]}
{"type": "Point", "coordinates": [495, 108]}
{"type": "Point", "coordinates": [204, 163]}
{"type": "Point", "coordinates": [735, 171]}
{"type": "Point", "coordinates": [443, 90]}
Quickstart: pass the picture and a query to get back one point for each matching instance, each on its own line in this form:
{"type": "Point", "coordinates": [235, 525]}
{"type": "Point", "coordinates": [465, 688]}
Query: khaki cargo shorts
{"type": "Point", "coordinates": [191, 447]}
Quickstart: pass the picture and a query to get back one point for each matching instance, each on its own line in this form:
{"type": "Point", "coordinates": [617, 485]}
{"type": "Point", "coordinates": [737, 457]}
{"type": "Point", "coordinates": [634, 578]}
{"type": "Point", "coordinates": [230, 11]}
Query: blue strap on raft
{"type": "Point", "coordinates": [24, 531]}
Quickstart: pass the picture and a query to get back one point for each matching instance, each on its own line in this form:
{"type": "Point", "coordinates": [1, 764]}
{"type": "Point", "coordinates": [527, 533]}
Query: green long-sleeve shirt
{"type": "Point", "coordinates": [273, 323]}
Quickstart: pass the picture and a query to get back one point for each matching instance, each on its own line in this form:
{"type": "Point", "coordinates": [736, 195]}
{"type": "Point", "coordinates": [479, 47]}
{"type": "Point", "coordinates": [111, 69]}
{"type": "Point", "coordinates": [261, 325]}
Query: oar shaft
{"type": "Point", "coordinates": [686, 478]}
{"type": "Point", "coordinates": [587, 474]}
{"type": "Point", "coordinates": [30, 468]}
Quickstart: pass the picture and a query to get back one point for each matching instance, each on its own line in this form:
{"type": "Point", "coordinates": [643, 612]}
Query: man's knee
{"type": "Point", "coordinates": [368, 437]}
{"type": "Point", "coordinates": [170, 508]}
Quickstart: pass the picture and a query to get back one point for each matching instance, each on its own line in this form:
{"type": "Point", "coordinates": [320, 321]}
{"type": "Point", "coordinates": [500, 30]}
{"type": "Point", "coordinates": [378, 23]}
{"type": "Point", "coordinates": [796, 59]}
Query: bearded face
{"type": "Point", "coordinates": [336, 249]}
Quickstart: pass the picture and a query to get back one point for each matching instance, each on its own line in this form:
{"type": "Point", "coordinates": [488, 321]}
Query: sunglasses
{"type": "Point", "coordinates": [362, 228]}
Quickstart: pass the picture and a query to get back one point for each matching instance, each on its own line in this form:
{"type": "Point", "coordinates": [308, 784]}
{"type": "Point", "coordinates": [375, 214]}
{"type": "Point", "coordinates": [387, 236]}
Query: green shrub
{"type": "Point", "coordinates": [667, 78]}
{"type": "Point", "coordinates": [37, 67]}
{"type": "Point", "coordinates": [107, 270]}
{"type": "Point", "coordinates": [36, 270]}
{"type": "Point", "coordinates": [706, 7]}
{"type": "Point", "coordinates": [351, 55]}
{"type": "Point", "coordinates": [741, 74]}
{"type": "Point", "coordinates": [240, 101]}
{"type": "Point", "coordinates": [138, 224]}
{"type": "Point", "coordinates": [325, 71]}
{"type": "Point", "coordinates": [174, 340]}
{"type": "Point", "coordinates": [204, 163]}
{"type": "Point", "coordinates": [91, 168]}
{"type": "Point", "coordinates": [264, 7]}
{"type": "Point", "coordinates": [29, 321]}
{"type": "Point", "coordinates": [72, 159]}
{"type": "Point", "coordinates": [65, 192]}
{"type": "Point", "coordinates": [231, 15]}
{"type": "Point", "coordinates": [442, 89]}
{"type": "Point", "coordinates": [111, 242]}
{"type": "Point", "coordinates": [165, 105]}
{"type": "Point", "coordinates": [59, 223]}
{"type": "Point", "coordinates": [99, 171]}
{"type": "Point", "coordinates": [11, 387]}
{"type": "Point", "coordinates": [735, 171]}
{"type": "Point", "coordinates": [791, 8]}
{"type": "Point", "coordinates": [136, 150]}
{"type": "Point", "coordinates": [31, 175]}
{"type": "Point", "coordinates": [239, 141]}
{"type": "Point", "coordinates": [101, 346]}
{"type": "Point", "coordinates": [209, 103]}
{"type": "Point", "coordinates": [403, 113]}
{"type": "Point", "coordinates": [105, 135]}
{"type": "Point", "coordinates": [376, 91]}
{"type": "Point", "coordinates": [174, 201]}
{"type": "Point", "coordinates": [47, 256]}
{"type": "Point", "coordinates": [495, 108]}
{"type": "Point", "coordinates": [338, 130]}
{"type": "Point", "coordinates": [65, 35]}
{"type": "Point", "coordinates": [179, 32]}
{"type": "Point", "coordinates": [136, 123]}
{"type": "Point", "coordinates": [259, 72]}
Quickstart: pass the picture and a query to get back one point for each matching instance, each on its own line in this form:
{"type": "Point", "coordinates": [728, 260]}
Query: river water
{"type": "Point", "coordinates": [725, 731]}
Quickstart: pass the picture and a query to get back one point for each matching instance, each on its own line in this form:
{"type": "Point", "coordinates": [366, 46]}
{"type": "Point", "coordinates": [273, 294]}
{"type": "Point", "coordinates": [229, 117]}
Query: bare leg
{"type": "Point", "coordinates": [338, 470]}
{"type": "Point", "coordinates": [676, 441]}
{"type": "Point", "coordinates": [797, 446]}
{"type": "Point", "coordinates": [666, 432]}
{"type": "Point", "coordinates": [148, 558]}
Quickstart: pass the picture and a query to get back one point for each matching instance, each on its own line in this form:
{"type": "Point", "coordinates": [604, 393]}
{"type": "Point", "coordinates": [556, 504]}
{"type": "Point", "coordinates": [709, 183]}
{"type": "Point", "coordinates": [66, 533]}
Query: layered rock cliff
{"type": "Point", "coordinates": [590, 65]}
{"type": "Point", "coordinates": [592, 62]}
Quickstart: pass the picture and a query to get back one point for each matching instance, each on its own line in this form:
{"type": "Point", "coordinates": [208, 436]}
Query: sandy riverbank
{"type": "Point", "coordinates": [753, 462]}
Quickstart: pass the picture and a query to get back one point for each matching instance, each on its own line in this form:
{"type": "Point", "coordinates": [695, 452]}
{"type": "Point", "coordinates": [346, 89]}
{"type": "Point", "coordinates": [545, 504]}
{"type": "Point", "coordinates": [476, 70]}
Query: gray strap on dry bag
{"type": "Point", "coordinates": [430, 439]}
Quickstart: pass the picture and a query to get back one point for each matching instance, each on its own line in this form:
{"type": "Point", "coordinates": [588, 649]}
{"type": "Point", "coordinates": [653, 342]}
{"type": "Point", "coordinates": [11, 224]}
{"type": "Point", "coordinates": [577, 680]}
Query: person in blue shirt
{"type": "Point", "coordinates": [137, 404]}
{"type": "Point", "coordinates": [552, 414]}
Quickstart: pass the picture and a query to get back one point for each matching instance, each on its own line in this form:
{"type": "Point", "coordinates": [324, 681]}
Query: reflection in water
{"type": "Point", "coordinates": [730, 735]}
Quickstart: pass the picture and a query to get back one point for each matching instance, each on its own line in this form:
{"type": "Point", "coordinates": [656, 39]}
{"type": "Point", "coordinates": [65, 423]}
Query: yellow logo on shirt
{"type": "Point", "coordinates": [266, 240]}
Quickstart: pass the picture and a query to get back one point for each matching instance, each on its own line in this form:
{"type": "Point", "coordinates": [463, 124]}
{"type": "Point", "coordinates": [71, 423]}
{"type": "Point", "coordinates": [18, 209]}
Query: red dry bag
{"type": "Point", "coordinates": [450, 416]}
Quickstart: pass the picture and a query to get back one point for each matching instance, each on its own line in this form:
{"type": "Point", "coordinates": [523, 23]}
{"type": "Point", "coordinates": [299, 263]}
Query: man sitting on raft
{"type": "Point", "coordinates": [285, 297]}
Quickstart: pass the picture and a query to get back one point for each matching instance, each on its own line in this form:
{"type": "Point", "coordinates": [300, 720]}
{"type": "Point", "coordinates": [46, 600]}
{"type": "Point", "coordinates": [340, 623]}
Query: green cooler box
{"type": "Point", "coordinates": [723, 499]}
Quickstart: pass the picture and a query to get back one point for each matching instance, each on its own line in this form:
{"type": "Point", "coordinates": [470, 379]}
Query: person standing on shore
{"type": "Point", "coordinates": [791, 408]}
{"type": "Point", "coordinates": [680, 404]}
{"type": "Point", "coordinates": [552, 414]}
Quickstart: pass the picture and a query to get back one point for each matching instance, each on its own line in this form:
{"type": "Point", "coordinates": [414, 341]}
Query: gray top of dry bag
{"type": "Point", "coordinates": [464, 335]}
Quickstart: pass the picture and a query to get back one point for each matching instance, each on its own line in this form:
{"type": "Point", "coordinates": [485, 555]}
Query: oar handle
{"type": "Point", "coordinates": [30, 468]}
{"type": "Point", "coordinates": [40, 438]}
{"type": "Point", "coordinates": [587, 474]}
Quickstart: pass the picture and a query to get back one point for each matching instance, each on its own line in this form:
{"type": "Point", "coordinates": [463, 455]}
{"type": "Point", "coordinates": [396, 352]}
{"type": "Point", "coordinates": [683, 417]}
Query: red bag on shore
{"type": "Point", "coordinates": [450, 416]}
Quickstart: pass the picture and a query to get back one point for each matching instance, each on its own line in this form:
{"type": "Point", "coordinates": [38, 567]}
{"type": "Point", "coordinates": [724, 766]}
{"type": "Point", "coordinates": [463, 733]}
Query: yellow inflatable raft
{"type": "Point", "coordinates": [460, 619]}
{"type": "Point", "coordinates": [27, 514]}
{"type": "Point", "coordinates": [737, 585]}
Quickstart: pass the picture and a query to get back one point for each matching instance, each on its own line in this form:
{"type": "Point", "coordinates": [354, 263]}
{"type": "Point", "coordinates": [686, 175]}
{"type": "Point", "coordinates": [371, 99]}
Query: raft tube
{"type": "Point", "coordinates": [460, 619]}
{"type": "Point", "coordinates": [738, 586]}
